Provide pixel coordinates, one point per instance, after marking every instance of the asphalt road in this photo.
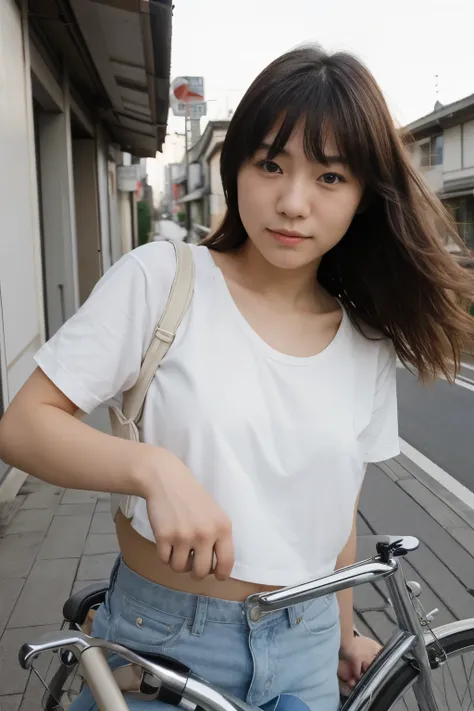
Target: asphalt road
(438, 420)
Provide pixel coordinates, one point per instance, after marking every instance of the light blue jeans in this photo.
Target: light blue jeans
(285, 659)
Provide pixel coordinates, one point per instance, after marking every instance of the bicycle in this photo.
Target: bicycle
(410, 660)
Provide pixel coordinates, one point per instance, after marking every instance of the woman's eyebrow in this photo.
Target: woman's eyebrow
(330, 160)
(268, 147)
(333, 159)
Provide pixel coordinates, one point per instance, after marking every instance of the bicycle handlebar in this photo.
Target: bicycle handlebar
(104, 686)
(367, 571)
(79, 642)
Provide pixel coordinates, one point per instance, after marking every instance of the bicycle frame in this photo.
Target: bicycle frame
(409, 638)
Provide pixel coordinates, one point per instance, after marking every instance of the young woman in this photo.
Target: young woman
(277, 391)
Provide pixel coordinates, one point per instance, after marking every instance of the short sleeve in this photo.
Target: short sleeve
(379, 440)
(97, 353)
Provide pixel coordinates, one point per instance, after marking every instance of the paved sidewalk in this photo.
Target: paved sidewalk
(54, 541)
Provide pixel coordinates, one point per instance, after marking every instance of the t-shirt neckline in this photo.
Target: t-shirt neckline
(268, 350)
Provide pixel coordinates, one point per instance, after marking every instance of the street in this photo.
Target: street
(438, 421)
(168, 229)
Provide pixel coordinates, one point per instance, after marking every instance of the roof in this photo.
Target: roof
(117, 53)
(457, 187)
(199, 148)
(443, 116)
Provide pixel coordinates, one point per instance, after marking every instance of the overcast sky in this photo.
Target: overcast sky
(404, 43)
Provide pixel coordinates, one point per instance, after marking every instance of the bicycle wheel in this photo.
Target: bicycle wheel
(60, 694)
(453, 682)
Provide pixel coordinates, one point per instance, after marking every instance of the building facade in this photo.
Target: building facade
(204, 193)
(84, 91)
(444, 153)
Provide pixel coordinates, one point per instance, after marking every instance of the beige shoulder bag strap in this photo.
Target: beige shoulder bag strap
(125, 421)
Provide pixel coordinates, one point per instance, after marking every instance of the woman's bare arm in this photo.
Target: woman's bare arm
(40, 435)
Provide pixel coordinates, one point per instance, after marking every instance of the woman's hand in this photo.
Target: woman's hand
(355, 657)
(192, 532)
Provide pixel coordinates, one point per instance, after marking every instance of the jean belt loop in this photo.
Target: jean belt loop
(295, 614)
(200, 615)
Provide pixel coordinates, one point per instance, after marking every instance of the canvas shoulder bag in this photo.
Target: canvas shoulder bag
(125, 422)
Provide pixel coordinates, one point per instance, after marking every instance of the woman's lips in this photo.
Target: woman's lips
(289, 240)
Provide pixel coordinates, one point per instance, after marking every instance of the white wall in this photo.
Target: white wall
(194, 177)
(126, 226)
(452, 157)
(468, 144)
(216, 198)
(458, 157)
(21, 298)
(459, 152)
(20, 267)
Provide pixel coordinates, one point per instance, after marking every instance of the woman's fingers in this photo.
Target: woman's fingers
(202, 561)
(189, 526)
(164, 551)
(180, 558)
(224, 550)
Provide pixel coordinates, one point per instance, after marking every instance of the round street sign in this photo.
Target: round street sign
(189, 90)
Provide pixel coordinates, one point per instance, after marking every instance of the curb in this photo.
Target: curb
(437, 481)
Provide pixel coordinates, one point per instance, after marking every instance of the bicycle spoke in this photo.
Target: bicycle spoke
(455, 687)
(469, 678)
(59, 707)
(453, 683)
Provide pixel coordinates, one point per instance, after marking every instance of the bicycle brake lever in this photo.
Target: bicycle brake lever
(387, 551)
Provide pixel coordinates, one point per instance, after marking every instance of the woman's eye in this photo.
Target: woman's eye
(332, 178)
(269, 166)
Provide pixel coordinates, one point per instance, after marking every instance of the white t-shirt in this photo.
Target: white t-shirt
(279, 441)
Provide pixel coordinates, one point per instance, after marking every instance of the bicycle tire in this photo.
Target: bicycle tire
(402, 679)
(56, 687)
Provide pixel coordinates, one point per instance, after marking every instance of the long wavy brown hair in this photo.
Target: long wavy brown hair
(391, 270)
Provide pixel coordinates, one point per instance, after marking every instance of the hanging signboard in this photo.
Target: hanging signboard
(187, 97)
(128, 177)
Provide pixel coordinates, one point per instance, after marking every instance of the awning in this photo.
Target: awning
(194, 196)
(118, 56)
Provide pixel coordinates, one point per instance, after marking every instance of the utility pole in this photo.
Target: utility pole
(186, 159)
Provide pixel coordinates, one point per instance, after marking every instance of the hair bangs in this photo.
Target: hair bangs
(328, 115)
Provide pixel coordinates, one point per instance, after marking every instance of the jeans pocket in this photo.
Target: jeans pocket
(321, 615)
(102, 622)
(145, 628)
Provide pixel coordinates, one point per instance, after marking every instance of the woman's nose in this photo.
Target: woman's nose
(294, 201)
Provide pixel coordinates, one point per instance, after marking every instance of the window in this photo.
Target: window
(431, 152)
(462, 211)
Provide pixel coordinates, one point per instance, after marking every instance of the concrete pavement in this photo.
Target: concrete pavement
(54, 541)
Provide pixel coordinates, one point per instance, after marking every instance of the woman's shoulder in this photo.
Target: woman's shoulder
(153, 256)
(158, 259)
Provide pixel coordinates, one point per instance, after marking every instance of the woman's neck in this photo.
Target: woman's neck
(288, 288)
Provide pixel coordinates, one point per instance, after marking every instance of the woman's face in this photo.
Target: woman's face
(294, 210)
